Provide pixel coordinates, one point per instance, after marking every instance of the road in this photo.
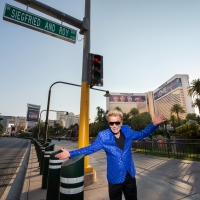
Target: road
(12, 151)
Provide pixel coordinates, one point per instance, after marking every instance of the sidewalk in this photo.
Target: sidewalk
(157, 178)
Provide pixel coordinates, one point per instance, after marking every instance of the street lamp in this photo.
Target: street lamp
(48, 103)
(40, 118)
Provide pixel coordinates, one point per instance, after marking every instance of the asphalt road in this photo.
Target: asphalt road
(12, 151)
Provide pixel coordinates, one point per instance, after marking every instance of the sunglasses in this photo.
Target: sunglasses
(112, 123)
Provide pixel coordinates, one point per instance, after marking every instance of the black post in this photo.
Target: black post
(53, 180)
(47, 116)
(48, 151)
(42, 150)
(72, 179)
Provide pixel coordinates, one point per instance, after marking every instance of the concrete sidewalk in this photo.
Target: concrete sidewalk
(157, 178)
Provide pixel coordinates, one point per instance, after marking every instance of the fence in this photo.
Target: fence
(73, 139)
(169, 148)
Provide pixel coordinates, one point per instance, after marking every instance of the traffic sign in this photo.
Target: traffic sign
(37, 23)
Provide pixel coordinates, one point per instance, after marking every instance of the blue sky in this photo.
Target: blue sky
(143, 43)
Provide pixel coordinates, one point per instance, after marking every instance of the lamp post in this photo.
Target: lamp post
(40, 118)
(48, 103)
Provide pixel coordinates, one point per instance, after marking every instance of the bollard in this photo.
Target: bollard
(48, 150)
(53, 180)
(38, 144)
(42, 150)
(41, 141)
(72, 179)
(39, 154)
(49, 140)
(37, 148)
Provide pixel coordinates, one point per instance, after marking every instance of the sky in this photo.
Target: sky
(143, 43)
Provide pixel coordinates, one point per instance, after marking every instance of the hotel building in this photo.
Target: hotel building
(160, 100)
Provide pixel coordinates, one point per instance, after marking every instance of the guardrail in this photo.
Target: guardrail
(169, 148)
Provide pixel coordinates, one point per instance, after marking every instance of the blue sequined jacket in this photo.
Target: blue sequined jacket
(118, 161)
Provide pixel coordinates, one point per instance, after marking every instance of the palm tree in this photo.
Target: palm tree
(194, 88)
(98, 109)
(118, 108)
(104, 116)
(140, 121)
(165, 123)
(137, 122)
(100, 114)
(191, 116)
(57, 127)
(133, 112)
(126, 118)
(178, 109)
(173, 121)
(196, 103)
(98, 117)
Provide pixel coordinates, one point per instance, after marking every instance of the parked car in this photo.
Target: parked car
(6, 134)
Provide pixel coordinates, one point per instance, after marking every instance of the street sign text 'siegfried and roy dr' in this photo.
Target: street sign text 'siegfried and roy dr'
(35, 22)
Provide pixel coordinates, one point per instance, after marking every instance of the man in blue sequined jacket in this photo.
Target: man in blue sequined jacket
(117, 142)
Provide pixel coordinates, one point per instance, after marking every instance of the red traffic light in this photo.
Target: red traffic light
(95, 70)
(97, 58)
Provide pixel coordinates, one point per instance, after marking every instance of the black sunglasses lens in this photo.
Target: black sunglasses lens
(112, 123)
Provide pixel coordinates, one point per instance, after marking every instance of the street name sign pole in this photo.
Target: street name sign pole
(84, 27)
(37, 23)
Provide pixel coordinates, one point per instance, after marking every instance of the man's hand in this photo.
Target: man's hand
(158, 119)
(63, 155)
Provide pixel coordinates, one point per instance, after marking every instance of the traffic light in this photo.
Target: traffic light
(95, 70)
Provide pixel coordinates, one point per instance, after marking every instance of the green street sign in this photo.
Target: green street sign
(37, 23)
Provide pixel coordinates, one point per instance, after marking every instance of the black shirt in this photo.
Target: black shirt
(120, 141)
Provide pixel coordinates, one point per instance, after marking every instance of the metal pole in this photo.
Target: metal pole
(39, 125)
(85, 91)
(47, 116)
(48, 104)
(82, 106)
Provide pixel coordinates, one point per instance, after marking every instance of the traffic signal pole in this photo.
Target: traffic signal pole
(83, 138)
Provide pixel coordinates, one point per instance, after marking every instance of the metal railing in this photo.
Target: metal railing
(170, 148)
